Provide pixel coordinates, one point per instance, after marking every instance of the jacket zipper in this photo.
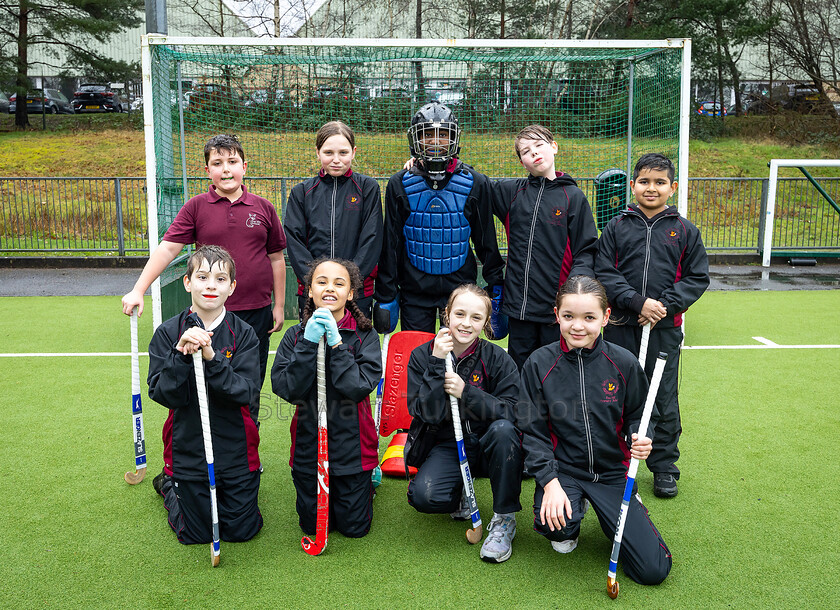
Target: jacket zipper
(530, 245)
(649, 227)
(586, 417)
(332, 220)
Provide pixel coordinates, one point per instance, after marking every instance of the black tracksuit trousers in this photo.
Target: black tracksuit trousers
(437, 487)
(643, 556)
(666, 422)
(188, 504)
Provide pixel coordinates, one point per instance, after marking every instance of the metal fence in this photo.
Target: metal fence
(108, 215)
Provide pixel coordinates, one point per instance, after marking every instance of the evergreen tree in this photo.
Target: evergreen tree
(62, 27)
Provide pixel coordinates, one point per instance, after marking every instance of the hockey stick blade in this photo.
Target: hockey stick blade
(133, 478)
(311, 546)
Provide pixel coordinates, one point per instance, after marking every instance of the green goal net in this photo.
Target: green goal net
(606, 102)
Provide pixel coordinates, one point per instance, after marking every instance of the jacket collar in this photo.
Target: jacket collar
(325, 176)
(571, 353)
(215, 197)
(560, 179)
(634, 210)
(348, 322)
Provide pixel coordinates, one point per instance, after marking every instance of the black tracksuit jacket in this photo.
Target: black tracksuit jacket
(661, 258)
(577, 409)
(353, 371)
(551, 236)
(336, 217)
(231, 377)
(490, 392)
(398, 275)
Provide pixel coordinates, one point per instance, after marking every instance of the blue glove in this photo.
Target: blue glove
(327, 321)
(386, 316)
(498, 320)
(314, 330)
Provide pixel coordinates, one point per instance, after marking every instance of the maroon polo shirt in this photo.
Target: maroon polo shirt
(248, 228)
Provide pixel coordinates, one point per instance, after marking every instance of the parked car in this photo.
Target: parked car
(711, 109)
(755, 104)
(4, 102)
(137, 103)
(806, 99)
(449, 97)
(51, 101)
(211, 97)
(92, 97)
(264, 97)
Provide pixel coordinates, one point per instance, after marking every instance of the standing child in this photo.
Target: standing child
(485, 383)
(353, 366)
(338, 214)
(580, 404)
(433, 212)
(230, 350)
(653, 265)
(551, 237)
(247, 226)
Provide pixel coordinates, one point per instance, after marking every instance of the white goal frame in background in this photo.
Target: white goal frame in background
(770, 214)
(156, 39)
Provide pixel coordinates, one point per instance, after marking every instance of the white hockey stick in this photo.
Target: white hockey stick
(612, 583)
(133, 478)
(474, 534)
(204, 411)
(643, 344)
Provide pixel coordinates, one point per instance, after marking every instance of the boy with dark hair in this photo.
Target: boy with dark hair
(230, 350)
(653, 265)
(247, 226)
(551, 237)
(438, 218)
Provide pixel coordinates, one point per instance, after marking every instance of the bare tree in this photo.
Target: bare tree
(807, 39)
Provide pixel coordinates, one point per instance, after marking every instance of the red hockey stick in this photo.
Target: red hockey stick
(322, 525)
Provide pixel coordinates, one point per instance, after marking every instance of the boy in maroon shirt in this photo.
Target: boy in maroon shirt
(247, 226)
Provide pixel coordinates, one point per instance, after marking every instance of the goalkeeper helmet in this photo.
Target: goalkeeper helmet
(433, 138)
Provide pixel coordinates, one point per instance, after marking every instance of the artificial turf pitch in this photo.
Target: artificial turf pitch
(752, 525)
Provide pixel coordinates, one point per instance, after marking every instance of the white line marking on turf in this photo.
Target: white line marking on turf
(766, 341)
(774, 346)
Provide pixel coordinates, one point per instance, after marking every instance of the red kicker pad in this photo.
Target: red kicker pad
(394, 408)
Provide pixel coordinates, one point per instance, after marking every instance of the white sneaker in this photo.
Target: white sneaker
(566, 546)
(500, 533)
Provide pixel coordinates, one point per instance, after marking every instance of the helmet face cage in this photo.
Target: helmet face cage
(434, 136)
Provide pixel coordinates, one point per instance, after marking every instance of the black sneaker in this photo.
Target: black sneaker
(159, 481)
(664, 485)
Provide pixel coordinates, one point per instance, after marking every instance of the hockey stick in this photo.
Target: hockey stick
(376, 476)
(322, 525)
(133, 478)
(612, 583)
(643, 344)
(474, 534)
(204, 411)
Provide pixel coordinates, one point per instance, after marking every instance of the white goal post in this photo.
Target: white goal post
(770, 214)
(183, 46)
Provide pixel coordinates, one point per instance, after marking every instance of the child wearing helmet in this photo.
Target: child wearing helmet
(438, 219)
